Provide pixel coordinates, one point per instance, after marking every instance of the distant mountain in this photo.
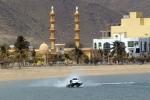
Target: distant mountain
(30, 18)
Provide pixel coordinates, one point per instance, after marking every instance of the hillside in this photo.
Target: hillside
(30, 18)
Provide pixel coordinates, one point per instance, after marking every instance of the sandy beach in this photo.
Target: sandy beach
(63, 71)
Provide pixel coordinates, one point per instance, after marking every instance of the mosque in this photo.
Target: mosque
(56, 49)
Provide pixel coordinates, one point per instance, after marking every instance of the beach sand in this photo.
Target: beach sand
(28, 73)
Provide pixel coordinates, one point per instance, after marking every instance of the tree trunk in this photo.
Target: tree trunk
(20, 61)
(77, 60)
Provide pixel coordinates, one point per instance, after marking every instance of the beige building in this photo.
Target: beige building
(133, 25)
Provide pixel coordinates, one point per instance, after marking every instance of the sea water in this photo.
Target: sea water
(113, 87)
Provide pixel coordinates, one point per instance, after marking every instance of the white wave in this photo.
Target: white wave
(117, 83)
(57, 82)
(63, 83)
(42, 83)
(53, 82)
(90, 83)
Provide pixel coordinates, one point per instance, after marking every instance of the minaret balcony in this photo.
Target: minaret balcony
(52, 21)
(77, 30)
(52, 38)
(52, 14)
(76, 39)
(76, 14)
(77, 22)
(52, 30)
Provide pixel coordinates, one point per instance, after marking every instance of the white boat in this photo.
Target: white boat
(74, 83)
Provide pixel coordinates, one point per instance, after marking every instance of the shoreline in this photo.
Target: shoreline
(31, 73)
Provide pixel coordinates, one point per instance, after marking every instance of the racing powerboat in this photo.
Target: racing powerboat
(74, 83)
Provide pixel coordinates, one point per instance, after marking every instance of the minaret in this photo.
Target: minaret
(52, 30)
(77, 28)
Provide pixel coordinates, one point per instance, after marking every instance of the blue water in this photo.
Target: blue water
(116, 87)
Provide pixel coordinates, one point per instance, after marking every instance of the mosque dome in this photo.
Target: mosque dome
(44, 48)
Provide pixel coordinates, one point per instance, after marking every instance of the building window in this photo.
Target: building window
(131, 51)
(116, 36)
(141, 46)
(145, 46)
(99, 44)
(137, 50)
(109, 34)
(149, 44)
(106, 47)
(136, 43)
(95, 46)
(130, 43)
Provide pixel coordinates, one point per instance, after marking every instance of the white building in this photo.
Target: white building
(133, 46)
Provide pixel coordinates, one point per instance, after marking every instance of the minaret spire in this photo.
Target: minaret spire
(52, 30)
(77, 9)
(77, 27)
(52, 9)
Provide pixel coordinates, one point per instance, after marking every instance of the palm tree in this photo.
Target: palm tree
(78, 54)
(118, 50)
(33, 54)
(3, 51)
(75, 54)
(4, 54)
(21, 46)
(97, 56)
(67, 57)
